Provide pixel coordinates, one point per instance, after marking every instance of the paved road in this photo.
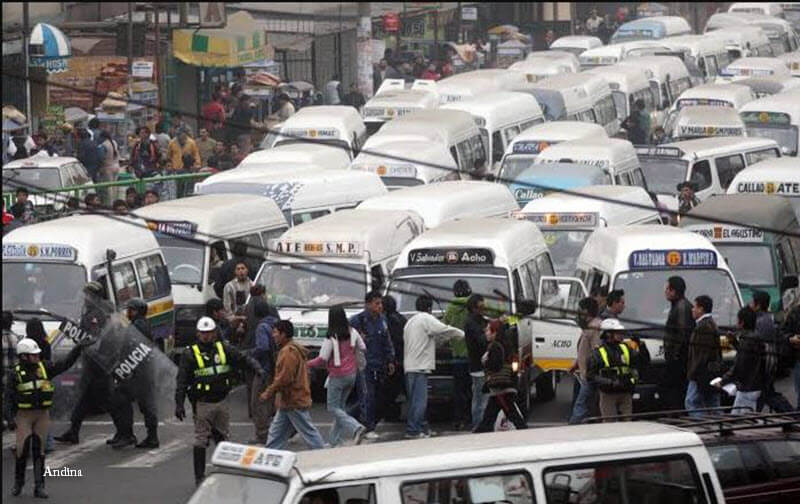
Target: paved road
(165, 475)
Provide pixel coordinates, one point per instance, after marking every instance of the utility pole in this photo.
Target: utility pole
(460, 24)
(364, 55)
(183, 11)
(130, 49)
(26, 34)
(158, 54)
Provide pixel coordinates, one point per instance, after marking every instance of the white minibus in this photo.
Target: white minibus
(582, 97)
(651, 28)
(576, 44)
(776, 117)
(338, 125)
(393, 100)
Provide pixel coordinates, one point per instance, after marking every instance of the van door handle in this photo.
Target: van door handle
(539, 340)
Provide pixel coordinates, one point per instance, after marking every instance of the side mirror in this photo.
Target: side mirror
(526, 307)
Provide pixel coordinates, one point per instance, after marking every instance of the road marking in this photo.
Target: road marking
(61, 458)
(156, 456)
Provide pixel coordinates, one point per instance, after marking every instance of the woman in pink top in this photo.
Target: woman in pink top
(339, 354)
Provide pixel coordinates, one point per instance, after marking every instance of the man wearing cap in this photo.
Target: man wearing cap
(30, 396)
(206, 372)
(612, 368)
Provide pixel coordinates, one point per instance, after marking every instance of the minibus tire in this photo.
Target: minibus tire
(545, 390)
(524, 394)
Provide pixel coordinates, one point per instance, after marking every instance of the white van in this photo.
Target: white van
(707, 53)
(628, 84)
(405, 163)
(743, 68)
(338, 125)
(639, 260)
(333, 260)
(711, 163)
(615, 53)
(46, 265)
(475, 83)
(454, 129)
(743, 41)
(668, 75)
(565, 58)
(770, 85)
(539, 67)
(582, 97)
(576, 44)
(567, 220)
(446, 201)
(641, 461)
(766, 8)
(295, 156)
(615, 156)
(779, 31)
(500, 117)
(714, 95)
(651, 28)
(776, 117)
(778, 176)
(501, 259)
(704, 121)
(196, 235)
(393, 100)
(303, 195)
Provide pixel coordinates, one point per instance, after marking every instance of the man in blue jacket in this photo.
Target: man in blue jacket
(265, 352)
(372, 325)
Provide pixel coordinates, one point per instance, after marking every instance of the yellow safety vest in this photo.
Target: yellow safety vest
(623, 371)
(33, 392)
(212, 375)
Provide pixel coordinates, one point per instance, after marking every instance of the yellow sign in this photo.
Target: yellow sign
(242, 41)
(674, 258)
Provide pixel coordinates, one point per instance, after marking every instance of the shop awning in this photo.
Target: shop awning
(49, 48)
(239, 43)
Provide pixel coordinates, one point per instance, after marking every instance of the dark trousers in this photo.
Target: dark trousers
(141, 391)
(376, 397)
(92, 387)
(672, 389)
(462, 392)
(395, 385)
(507, 403)
(774, 399)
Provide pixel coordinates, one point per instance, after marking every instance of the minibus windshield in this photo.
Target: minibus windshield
(663, 175)
(514, 165)
(491, 283)
(751, 264)
(47, 286)
(565, 247)
(645, 304)
(314, 284)
(221, 488)
(185, 259)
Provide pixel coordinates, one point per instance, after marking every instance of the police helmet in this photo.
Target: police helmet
(138, 306)
(93, 287)
(28, 346)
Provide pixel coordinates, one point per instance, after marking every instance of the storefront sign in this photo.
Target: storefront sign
(469, 13)
(450, 257)
(672, 259)
(142, 69)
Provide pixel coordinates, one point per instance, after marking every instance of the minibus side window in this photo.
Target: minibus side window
(271, 234)
(514, 487)
(701, 174)
(638, 178)
(527, 282)
(125, 282)
(756, 156)
(606, 111)
(300, 218)
(377, 277)
(151, 276)
(671, 478)
(497, 147)
(218, 255)
(354, 494)
(510, 133)
(728, 167)
(255, 249)
(712, 69)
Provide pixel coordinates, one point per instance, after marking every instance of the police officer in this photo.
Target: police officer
(207, 370)
(31, 394)
(612, 368)
(95, 382)
(138, 383)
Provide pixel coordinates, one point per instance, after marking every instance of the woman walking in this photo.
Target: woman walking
(500, 381)
(109, 167)
(339, 354)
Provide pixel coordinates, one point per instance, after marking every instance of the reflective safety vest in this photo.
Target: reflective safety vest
(212, 376)
(624, 373)
(34, 390)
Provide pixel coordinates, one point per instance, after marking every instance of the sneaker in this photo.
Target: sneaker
(358, 437)
(419, 435)
(123, 442)
(371, 435)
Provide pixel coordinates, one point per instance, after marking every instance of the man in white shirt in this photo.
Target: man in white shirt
(420, 335)
(236, 291)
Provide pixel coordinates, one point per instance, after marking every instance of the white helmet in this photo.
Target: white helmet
(28, 346)
(611, 324)
(206, 324)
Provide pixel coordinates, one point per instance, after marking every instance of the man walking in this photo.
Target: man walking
(372, 325)
(206, 373)
(613, 369)
(420, 335)
(679, 327)
(704, 358)
(747, 370)
(291, 389)
(476, 347)
(265, 352)
(456, 316)
(588, 342)
(768, 333)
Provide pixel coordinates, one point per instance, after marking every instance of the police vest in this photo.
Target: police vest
(212, 376)
(34, 390)
(624, 376)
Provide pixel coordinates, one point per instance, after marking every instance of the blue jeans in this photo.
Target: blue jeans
(698, 397)
(583, 403)
(300, 419)
(745, 400)
(479, 399)
(359, 409)
(339, 387)
(417, 390)
(797, 384)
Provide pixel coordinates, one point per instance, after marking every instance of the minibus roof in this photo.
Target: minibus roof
(558, 131)
(500, 108)
(406, 152)
(579, 41)
(709, 146)
(702, 115)
(443, 123)
(776, 170)
(90, 235)
(371, 231)
(735, 94)
(629, 77)
(609, 201)
(614, 151)
(777, 65)
(758, 210)
(218, 214)
(512, 241)
(291, 155)
(342, 117)
(787, 102)
(444, 201)
(659, 66)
